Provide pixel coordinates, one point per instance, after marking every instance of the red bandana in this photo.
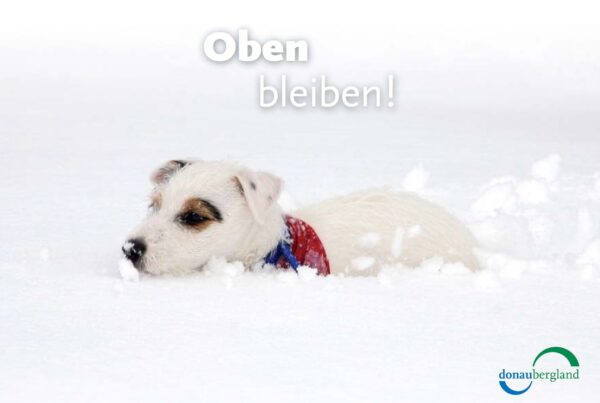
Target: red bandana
(305, 246)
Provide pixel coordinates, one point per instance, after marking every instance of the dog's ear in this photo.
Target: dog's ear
(261, 190)
(167, 170)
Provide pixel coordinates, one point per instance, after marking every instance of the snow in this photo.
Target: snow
(594, 192)
(532, 192)
(416, 179)
(397, 242)
(591, 255)
(526, 219)
(369, 240)
(414, 230)
(127, 246)
(511, 148)
(362, 263)
(547, 168)
(127, 271)
(45, 254)
(306, 273)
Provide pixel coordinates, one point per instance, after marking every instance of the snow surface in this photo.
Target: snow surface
(510, 147)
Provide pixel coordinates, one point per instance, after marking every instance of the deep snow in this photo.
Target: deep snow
(512, 152)
(73, 330)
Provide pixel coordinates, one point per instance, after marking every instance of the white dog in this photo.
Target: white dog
(203, 209)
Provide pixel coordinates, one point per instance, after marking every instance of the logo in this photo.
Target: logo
(571, 373)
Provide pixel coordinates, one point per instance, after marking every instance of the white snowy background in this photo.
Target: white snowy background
(497, 118)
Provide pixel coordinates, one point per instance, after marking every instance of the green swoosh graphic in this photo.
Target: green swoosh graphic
(562, 351)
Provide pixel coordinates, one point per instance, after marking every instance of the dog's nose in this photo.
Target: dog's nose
(134, 249)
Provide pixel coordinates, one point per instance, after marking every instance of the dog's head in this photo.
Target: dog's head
(200, 210)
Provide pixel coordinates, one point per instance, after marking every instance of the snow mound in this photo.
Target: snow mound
(547, 169)
(362, 263)
(369, 240)
(128, 272)
(416, 179)
(541, 222)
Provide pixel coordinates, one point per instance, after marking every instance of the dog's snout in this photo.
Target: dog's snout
(134, 249)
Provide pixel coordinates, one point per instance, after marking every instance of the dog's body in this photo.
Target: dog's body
(364, 230)
(217, 209)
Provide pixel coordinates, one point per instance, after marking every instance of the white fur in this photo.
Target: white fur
(409, 228)
(252, 224)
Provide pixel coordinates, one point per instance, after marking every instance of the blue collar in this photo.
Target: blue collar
(282, 249)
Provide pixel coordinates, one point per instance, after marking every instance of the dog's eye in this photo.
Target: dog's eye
(191, 218)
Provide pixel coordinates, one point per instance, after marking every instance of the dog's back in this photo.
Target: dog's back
(365, 229)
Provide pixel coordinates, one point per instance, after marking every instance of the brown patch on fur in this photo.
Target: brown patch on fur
(156, 200)
(202, 208)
